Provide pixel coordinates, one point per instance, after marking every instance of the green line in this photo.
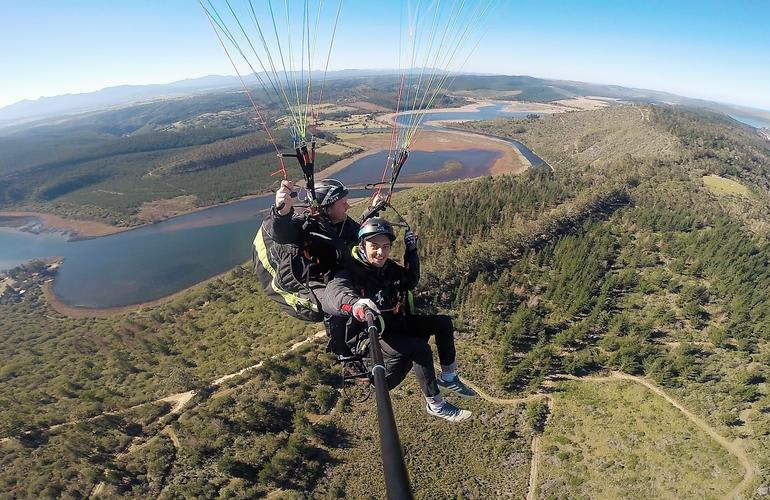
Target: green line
(272, 63)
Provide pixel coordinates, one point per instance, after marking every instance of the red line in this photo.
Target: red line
(392, 138)
(251, 99)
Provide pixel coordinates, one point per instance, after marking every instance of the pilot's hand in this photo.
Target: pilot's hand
(410, 240)
(284, 197)
(378, 198)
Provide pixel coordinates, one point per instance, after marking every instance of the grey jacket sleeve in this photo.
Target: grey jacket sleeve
(339, 296)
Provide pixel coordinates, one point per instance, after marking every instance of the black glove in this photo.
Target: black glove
(410, 240)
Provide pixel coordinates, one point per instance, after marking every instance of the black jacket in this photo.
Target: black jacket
(388, 286)
(324, 243)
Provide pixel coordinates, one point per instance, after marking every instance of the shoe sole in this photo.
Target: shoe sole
(468, 415)
(452, 420)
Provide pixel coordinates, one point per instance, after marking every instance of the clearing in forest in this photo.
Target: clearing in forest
(721, 186)
(619, 440)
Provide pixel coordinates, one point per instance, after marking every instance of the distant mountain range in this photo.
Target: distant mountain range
(46, 107)
(532, 89)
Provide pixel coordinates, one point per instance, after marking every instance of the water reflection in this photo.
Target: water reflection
(437, 166)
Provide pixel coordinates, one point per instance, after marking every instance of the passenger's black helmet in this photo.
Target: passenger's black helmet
(327, 191)
(375, 226)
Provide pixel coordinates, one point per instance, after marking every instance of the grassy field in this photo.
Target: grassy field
(619, 440)
(338, 149)
(721, 186)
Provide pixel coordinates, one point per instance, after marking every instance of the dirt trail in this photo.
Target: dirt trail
(174, 438)
(535, 445)
(180, 400)
(97, 491)
(534, 466)
(500, 401)
(750, 470)
(734, 449)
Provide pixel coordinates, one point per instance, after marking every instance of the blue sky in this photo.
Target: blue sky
(707, 49)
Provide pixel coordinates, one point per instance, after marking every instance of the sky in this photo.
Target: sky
(714, 50)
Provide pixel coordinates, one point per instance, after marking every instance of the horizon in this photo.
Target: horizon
(395, 72)
(691, 49)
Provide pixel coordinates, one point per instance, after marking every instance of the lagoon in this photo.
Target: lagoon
(146, 263)
(154, 261)
(435, 166)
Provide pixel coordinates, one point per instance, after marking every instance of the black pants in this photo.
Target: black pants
(405, 345)
(335, 330)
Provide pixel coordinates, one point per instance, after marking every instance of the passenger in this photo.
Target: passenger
(372, 280)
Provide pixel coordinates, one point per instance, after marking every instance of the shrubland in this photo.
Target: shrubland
(617, 258)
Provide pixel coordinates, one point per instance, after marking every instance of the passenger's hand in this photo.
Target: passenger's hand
(410, 240)
(360, 307)
(284, 197)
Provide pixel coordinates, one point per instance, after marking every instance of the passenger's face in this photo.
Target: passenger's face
(377, 250)
(338, 211)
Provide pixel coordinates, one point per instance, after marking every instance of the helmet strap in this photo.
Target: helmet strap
(362, 251)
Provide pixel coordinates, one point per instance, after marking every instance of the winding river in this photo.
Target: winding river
(157, 260)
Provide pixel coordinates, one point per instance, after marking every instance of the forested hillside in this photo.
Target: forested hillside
(208, 149)
(619, 259)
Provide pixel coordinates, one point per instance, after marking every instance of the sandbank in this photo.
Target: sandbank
(533, 107)
(510, 161)
(77, 227)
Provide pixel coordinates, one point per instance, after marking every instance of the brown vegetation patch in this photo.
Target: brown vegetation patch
(335, 149)
(158, 210)
(79, 228)
(329, 107)
(487, 94)
(5, 283)
(368, 106)
(585, 103)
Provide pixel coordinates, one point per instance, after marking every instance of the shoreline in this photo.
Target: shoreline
(511, 160)
(106, 312)
(75, 228)
(79, 229)
(468, 108)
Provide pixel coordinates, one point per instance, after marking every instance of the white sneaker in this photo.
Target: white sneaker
(450, 412)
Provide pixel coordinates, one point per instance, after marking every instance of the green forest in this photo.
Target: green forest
(618, 259)
(105, 165)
